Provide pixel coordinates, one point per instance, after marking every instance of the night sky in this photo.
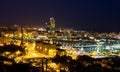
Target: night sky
(92, 15)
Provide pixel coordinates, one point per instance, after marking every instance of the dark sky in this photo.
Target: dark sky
(93, 15)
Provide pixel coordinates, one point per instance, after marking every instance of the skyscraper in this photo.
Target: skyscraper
(52, 23)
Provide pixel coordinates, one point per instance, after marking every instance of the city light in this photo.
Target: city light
(41, 47)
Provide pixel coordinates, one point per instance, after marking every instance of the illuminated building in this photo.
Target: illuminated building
(51, 25)
(46, 48)
(4, 40)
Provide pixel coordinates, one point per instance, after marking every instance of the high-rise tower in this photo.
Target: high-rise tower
(52, 23)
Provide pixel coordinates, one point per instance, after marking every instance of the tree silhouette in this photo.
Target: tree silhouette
(11, 51)
(11, 48)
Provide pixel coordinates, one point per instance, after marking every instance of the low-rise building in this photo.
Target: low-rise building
(46, 48)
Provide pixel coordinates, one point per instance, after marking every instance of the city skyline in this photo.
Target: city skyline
(100, 15)
(59, 36)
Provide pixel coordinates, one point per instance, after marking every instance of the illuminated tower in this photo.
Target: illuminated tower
(52, 23)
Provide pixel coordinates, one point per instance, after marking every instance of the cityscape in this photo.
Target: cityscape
(49, 49)
(60, 36)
